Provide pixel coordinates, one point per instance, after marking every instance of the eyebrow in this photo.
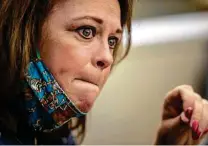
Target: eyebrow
(98, 20)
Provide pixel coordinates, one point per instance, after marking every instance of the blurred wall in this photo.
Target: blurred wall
(129, 107)
(154, 8)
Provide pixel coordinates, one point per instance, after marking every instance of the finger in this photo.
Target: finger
(178, 121)
(179, 131)
(184, 94)
(188, 87)
(174, 92)
(173, 124)
(186, 115)
(184, 118)
(203, 125)
(196, 117)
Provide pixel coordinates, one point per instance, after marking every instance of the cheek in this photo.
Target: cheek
(63, 58)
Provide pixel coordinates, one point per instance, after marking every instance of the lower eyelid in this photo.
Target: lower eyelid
(81, 39)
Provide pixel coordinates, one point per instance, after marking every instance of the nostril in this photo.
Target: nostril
(100, 64)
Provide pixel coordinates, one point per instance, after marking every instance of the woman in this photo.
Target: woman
(56, 56)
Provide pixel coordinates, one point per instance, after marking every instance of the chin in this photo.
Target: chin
(85, 102)
(85, 107)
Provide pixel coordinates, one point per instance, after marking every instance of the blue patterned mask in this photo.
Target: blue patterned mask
(47, 104)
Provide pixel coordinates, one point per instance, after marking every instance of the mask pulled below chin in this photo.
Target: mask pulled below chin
(46, 103)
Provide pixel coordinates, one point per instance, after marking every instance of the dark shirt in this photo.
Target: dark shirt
(15, 130)
(25, 137)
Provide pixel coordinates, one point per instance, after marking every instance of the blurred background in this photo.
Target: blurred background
(169, 48)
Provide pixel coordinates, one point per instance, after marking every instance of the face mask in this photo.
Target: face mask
(47, 104)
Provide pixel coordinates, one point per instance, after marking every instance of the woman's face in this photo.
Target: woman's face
(77, 45)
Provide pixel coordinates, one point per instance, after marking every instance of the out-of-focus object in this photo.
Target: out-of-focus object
(158, 8)
(165, 21)
(202, 4)
(171, 28)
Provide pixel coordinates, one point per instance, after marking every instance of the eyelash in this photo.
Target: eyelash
(90, 32)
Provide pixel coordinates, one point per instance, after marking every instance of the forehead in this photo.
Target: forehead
(102, 8)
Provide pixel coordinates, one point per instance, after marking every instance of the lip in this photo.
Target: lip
(88, 81)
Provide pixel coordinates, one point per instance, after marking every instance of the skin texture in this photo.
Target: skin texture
(77, 43)
(77, 46)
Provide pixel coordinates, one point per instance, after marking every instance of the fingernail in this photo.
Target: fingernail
(195, 132)
(195, 125)
(188, 112)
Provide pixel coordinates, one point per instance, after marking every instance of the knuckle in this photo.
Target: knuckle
(184, 87)
(197, 96)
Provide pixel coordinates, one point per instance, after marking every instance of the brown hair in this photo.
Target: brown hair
(20, 25)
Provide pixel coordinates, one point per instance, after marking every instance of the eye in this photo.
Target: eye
(112, 42)
(86, 32)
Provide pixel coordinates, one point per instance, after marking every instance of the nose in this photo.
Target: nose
(103, 56)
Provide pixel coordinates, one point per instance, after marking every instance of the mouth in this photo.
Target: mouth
(87, 81)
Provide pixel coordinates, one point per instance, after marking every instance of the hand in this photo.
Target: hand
(184, 117)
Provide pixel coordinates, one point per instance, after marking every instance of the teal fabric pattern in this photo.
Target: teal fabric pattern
(47, 104)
